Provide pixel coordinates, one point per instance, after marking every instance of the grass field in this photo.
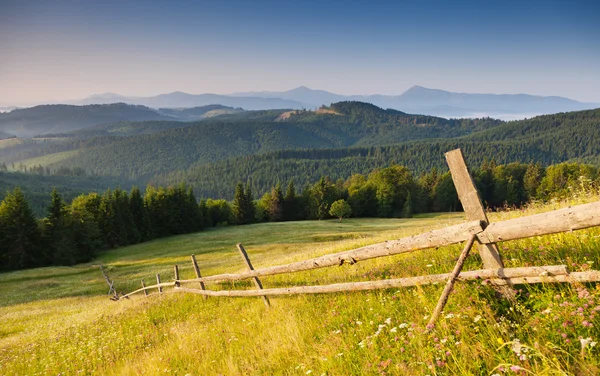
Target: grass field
(59, 320)
(48, 160)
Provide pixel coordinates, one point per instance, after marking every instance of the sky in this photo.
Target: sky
(59, 50)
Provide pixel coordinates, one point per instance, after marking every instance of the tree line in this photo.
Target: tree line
(75, 232)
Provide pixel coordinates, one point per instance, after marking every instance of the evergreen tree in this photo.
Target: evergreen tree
(275, 208)
(290, 209)
(136, 209)
(250, 209)
(407, 211)
(57, 234)
(20, 237)
(238, 206)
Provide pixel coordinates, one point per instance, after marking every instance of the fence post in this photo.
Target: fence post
(158, 281)
(144, 287)
(176, 271)
(471, 202)
(257, 282)
(450, 283)
(198, 275)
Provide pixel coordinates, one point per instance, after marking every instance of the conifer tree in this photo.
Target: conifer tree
(21, 240)
(290, 211)
(276, 204)
(239, 206)
(59, 248)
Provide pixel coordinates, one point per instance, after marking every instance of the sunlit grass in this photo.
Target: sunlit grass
(59, 320)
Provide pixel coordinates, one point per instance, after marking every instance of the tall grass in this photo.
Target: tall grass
(66, 325)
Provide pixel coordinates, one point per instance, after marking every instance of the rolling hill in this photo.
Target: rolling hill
(346, 124)
(28, 122)
(346, 138)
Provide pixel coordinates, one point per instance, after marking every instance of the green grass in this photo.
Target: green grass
(59, 320)
(49, 159)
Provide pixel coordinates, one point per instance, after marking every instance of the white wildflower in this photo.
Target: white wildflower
(388, 320)
(477, 318)
(403, 325)
(393, 330)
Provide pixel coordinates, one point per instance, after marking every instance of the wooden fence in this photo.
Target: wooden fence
(476, 230)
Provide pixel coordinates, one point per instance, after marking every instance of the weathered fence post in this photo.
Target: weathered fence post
(111, 284)
(257, 282)
(471, 202)
(158, 281)
(450, 284)
(144, 287)
(198, 275)
(176, 271)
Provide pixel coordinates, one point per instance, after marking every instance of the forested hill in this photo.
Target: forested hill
(60, 118)
(348, 137)
(545, 139)
(344, 124)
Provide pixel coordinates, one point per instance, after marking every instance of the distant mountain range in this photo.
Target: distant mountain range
(417, 100)
(61, 118)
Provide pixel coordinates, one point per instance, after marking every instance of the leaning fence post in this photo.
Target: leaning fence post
(471, 202)
(158, 282)
(144, 287)
(450, 284)
(197, 271)
(176, 271)
(257, 282)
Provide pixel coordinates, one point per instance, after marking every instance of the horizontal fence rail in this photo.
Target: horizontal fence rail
(478, 231)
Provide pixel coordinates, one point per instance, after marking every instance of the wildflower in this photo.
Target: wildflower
(477, 318)
(388, 320)
(308, 372)
(500, 341)
(546, 311)
(586, 342)
(450, 316)
(393, 330)
(340, 354)
(404, 325)
(516, 368)
(358, 322)
(429, 265)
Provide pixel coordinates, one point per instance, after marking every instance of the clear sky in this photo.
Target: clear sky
(72, 49)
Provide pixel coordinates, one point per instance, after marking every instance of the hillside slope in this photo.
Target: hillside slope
(28, 122)
(59, 320)
(347, 124)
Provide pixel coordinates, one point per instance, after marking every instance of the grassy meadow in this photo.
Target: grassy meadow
(59, 320)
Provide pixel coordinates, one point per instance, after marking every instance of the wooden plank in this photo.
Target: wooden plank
(471, 202)
(562, 220)
(432, 239)
(158, 284)
(256, 281)
(144, 288)
(451, 280)
(176, 272)
(197, 271)
(536, 274)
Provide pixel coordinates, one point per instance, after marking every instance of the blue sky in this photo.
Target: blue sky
(70, 49)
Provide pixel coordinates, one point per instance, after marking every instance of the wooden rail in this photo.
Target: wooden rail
(478, 230)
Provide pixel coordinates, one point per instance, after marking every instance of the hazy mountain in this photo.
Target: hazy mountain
(179, 99)
(32, 121)
(198, 113)
(7, 108)
(415, 100)
(442, 103)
